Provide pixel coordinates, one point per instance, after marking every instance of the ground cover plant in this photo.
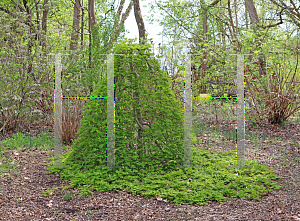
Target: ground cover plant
(149, 123)
(26, 141)
(213, 182)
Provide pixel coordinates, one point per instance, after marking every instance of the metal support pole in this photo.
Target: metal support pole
(188, 152)
(57, 114)
(240, 112)
(110, 112)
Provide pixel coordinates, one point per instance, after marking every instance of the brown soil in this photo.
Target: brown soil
(20, 191)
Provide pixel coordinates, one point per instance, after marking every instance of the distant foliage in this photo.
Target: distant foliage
(273, 97)
(25, 83)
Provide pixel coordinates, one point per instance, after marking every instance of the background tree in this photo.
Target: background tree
(139, 21)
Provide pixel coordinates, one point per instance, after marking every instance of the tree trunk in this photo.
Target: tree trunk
(32, 36)
(92, 23)
(255, 20)
(76, 22)
(205, 35)
(246, 16)
(119, 22)
(38, 22)
(142, 40)
(139, 21)
(92, 15)
(82, 23)
(252, 11)
(44, 23)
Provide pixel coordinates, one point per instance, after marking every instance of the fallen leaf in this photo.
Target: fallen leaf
(49, 204)
(295, 217)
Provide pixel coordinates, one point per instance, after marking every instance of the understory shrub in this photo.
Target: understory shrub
(273, 97)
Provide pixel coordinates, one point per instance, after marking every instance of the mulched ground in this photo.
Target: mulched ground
(20, 192)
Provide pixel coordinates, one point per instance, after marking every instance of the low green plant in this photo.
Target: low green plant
(88, 212)
(68, 196)
(54, 190)
(213, 181)
(48, 192)
(85, 191)
(295, 142)
(296, 161)
(6, 164)
(298, 118)
(264, 136)
(19, 140)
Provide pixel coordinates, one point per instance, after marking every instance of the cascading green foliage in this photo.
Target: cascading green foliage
(149, 124)
(148, 120)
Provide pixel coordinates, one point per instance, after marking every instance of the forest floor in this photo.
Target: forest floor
(21, 189)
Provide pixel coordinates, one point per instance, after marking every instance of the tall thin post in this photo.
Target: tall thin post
(240, 112)
(57, 114)
(110, 112)
(188, 152)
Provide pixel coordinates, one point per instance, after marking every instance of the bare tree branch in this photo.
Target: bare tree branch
(117, 25)
(214, 3)
(121, 6)
(7, 11)
(127, 12)
(19, 6)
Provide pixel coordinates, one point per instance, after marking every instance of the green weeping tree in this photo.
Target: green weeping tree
(148, 120)
(149, 141)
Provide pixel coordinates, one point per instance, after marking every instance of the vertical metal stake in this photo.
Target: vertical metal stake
(110, 112)
(188, 154)
(57, 114)
(240, 112)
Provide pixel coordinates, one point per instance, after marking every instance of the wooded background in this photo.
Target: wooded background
(31, 31)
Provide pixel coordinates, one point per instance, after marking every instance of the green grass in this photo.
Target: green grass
(6, 164)
(20, 140)
(295, 118)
